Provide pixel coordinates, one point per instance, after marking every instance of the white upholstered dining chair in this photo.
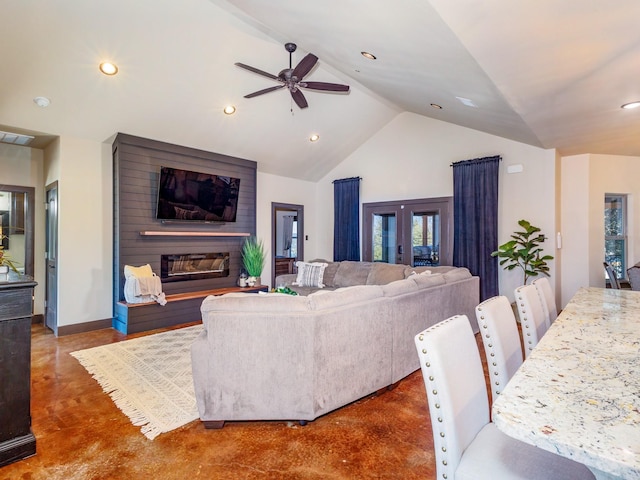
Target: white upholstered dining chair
(532, 316)
(547, 297)
(468, 446)
(500, 339)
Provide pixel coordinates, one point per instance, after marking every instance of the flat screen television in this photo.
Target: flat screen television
(199, 197)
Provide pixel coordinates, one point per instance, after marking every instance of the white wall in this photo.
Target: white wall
(410, 158)
(273, 188)
(85, 200)
(585, 181)
(23, 166)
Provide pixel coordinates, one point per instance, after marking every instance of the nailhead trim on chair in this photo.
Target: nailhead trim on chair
(524, 322)
(491, 350)
(434, 390)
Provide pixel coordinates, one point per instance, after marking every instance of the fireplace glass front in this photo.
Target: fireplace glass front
(194, 266)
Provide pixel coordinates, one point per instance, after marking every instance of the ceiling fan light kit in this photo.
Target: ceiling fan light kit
(292, 78)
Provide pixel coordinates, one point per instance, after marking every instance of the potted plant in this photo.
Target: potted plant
(5, 264)
(524, 251)
(253, 258)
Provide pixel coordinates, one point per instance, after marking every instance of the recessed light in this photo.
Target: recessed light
(435, 105)
(42, 101)
(108, 68)
(628, 106)
(314, 138)
(368, 55)
(229, 110)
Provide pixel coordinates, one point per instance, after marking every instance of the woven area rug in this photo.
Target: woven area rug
(148, 378)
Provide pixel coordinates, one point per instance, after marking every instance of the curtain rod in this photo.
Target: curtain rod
(477, 160)
(347, 179)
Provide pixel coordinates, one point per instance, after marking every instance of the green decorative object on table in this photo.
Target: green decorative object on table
(286, 290)
(253, 258)
(5, 261)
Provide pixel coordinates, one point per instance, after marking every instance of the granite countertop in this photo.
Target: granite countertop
(578, 394)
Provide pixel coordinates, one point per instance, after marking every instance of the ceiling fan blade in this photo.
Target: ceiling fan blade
(298, 97)
(330, 87)
(257, 70)
(305, 66)
(266, 90)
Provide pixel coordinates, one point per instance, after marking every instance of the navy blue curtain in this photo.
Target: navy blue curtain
(346, 219)
(475, 220)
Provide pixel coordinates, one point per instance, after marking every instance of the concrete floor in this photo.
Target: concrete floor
(81, 434)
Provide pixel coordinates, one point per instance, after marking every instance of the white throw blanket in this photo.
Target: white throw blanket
(143, 288)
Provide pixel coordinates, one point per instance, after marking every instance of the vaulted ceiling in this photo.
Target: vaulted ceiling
(548, 73)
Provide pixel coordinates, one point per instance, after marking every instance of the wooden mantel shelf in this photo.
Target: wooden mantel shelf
(162, 233)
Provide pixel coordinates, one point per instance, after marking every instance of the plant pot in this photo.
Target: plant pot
(4, 272)
(251, 281)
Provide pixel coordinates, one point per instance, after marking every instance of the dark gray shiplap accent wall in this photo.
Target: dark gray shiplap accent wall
(136, 164)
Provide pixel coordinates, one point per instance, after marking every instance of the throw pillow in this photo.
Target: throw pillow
(138, 272)
(310, 274)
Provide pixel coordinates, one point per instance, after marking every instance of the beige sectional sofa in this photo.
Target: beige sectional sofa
(283, 357)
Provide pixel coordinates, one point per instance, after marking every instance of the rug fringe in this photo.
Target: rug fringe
(137, 417)
(100, 372)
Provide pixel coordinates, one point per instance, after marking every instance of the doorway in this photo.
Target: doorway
(51, 255)
(287, 238)
(409, 232)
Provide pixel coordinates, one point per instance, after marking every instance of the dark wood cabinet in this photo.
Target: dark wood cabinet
(16, 307)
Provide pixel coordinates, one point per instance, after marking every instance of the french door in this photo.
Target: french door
(409, 232)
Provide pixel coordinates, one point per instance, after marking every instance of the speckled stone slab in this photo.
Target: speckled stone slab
(578, 394)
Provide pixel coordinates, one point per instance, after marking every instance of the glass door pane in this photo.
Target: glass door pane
(384, 237)
(425, 238)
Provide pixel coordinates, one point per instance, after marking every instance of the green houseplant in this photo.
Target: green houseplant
(524, 251)
(5, 262)
(253, 258)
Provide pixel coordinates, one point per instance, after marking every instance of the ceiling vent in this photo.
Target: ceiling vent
(15, 138)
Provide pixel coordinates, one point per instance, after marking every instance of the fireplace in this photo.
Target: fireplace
(194, 266)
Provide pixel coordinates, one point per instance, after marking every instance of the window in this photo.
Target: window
(411, 232)
(615, 233)
(294, 238)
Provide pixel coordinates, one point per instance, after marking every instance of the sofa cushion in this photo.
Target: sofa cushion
(329, 272)
(344, 296)
(352, 273)
(383, 273)
(428, 281)
(310, 274)
(408, 271)
(256, 302)
(456, 275)
(399, 287)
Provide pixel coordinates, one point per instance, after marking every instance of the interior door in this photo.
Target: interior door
(51, 227)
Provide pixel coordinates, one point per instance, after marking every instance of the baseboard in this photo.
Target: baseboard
(37, 318)
(64, 330)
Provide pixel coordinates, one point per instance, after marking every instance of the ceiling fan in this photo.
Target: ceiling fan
(292, 78)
